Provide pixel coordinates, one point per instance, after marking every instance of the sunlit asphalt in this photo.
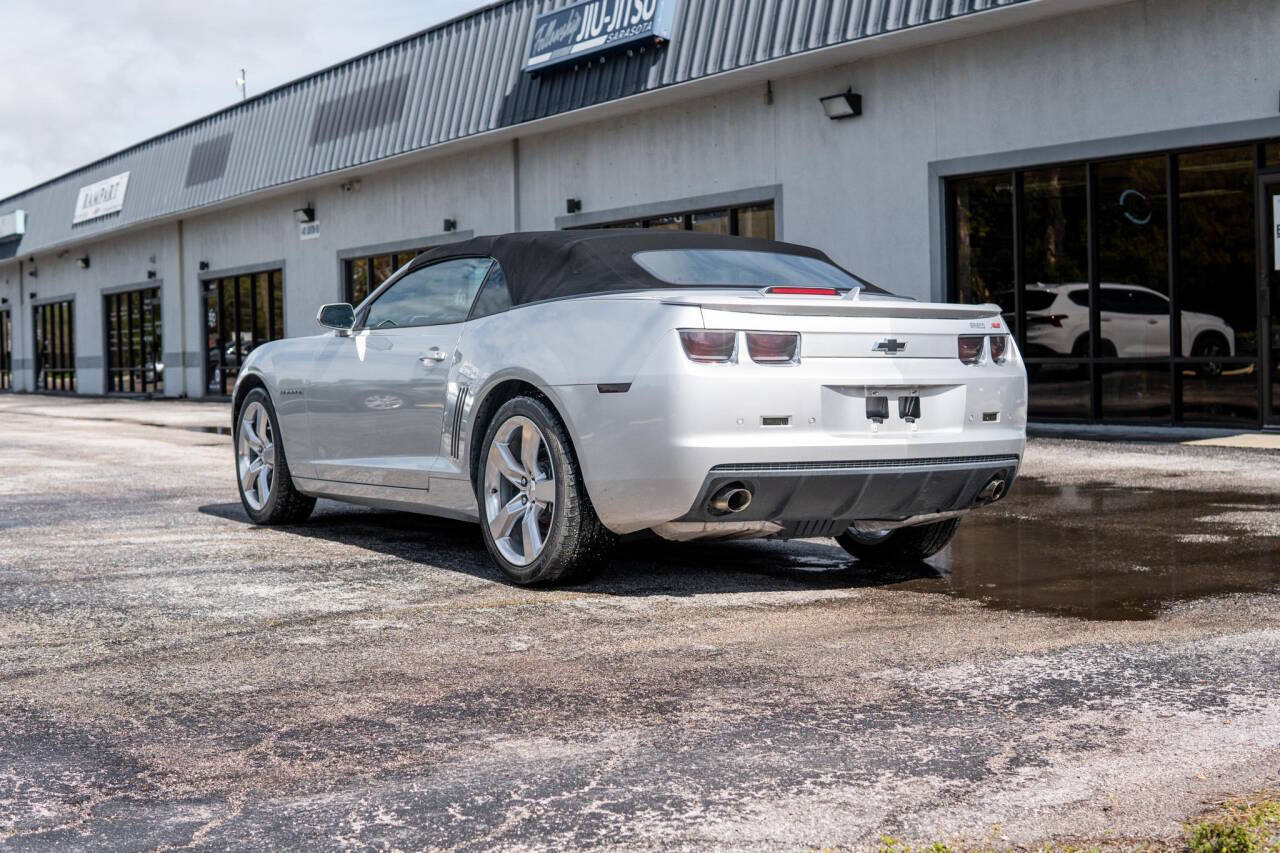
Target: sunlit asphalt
(1094, 658)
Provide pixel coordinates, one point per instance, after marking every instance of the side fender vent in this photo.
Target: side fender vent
(455, 433)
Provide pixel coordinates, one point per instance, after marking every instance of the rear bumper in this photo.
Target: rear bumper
(821, 499)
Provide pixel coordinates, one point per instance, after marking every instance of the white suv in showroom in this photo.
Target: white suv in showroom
(1135, 323)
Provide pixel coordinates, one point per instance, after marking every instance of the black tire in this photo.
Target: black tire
(284, 504)
(576, 543)
(1210, 345)
(904, 545)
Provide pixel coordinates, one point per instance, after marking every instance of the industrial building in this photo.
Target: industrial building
(1108, 172)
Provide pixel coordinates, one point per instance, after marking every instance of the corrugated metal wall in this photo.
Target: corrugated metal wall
(454, 81)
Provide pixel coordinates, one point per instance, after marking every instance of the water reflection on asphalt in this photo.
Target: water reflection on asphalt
(1102, 551)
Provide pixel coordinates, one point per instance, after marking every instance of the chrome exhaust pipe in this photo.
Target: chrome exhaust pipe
(994, 490)
(734, 497)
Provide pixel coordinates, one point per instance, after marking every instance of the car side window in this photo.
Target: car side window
(494, 296)
(430, 296)
(1149, 303)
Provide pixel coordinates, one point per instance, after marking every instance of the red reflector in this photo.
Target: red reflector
(773, 347)
(803, 291)
(995, 325)
(703, 345)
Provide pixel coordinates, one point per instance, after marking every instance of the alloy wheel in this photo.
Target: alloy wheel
(256, 455)
(519, 490)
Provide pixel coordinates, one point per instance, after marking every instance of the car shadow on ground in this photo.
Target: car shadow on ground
(640, 566)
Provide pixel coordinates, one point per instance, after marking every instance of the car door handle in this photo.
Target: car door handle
(434, 356)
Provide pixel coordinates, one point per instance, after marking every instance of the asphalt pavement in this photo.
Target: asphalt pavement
(1095, 659)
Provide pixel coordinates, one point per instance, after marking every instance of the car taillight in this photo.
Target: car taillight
(708, 346)
(970, 348)
(773, 347)
(999, 348)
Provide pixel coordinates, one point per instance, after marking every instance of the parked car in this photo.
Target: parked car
(568, 388)
(1135, 323)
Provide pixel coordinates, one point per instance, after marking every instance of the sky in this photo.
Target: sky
(85, 78)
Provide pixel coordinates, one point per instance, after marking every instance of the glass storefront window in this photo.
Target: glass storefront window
(982, 234)
(1059, 391)
(1217, 293)
(755, 220)
(6, 351)
(1175, 278)
(55, 349)
(361, 276)
(667, 223)
(1132, 222)
(1229, 396)
(134, 341)
(1139, 392)
(241, 313)
(1055, 259)
(711, 222)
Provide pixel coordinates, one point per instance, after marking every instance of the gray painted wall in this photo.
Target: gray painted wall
(865, 190)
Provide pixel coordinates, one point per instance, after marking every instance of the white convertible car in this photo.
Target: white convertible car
(568, 388)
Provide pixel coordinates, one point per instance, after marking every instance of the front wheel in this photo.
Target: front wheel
(903, 545)
(266, 487)
(537, 521)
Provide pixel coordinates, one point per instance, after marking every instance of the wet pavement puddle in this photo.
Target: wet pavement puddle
(1109, 552)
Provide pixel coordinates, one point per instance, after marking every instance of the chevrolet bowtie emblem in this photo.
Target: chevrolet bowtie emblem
(890, 346)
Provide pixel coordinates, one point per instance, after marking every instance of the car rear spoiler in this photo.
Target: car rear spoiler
(867, 306)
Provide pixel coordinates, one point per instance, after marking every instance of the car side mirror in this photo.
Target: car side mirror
(339, 315)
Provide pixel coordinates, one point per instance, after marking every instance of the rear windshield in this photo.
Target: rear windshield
(744, 268)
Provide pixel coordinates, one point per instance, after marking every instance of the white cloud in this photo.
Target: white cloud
(85, 79)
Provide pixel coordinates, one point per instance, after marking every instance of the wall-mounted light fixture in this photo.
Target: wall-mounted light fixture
(204, 265)
(4, 300)
(305, 215)
(450, 225)
(83, 262)
(847, 104)
(33, 272)
(151, 274)
(572, 205)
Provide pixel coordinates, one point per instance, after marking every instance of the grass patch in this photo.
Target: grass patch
(1249, 825)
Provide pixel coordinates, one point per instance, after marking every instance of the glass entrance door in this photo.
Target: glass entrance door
(1269, 216)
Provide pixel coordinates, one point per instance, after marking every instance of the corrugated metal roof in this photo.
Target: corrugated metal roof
(461, 78)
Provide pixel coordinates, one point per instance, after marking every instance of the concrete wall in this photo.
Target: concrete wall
(866, 190)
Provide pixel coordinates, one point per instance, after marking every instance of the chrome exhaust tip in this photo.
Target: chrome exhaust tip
(994, 490)
(734, 497)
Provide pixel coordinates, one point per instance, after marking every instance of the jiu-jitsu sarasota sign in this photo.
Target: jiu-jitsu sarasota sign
(573, 33)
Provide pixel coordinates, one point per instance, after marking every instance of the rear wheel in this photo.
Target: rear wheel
(262, 471)
(537, 521)
(902, 545)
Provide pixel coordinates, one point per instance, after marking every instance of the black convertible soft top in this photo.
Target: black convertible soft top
(554, 264)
